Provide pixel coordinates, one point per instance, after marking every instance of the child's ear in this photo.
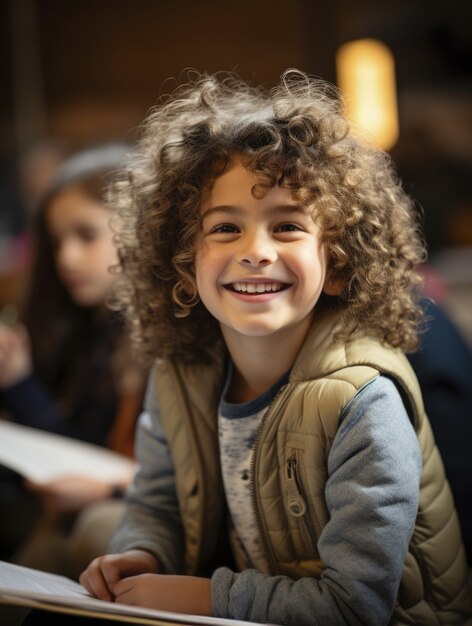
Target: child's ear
(333, 284)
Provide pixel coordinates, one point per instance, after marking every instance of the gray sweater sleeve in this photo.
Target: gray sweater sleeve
(152, 518)
(372, 495)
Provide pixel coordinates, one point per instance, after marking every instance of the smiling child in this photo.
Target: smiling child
(268, 261)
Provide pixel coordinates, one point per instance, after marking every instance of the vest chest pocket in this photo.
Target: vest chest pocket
(297, 505)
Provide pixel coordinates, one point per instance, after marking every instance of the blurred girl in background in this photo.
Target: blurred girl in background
(67, 368)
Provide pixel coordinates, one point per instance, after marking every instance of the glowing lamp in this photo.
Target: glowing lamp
(366, 76)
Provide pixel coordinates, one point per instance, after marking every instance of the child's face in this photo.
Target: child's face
(83, 246)
(260, 263)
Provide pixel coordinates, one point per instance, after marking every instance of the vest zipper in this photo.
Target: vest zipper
(271, 560)
(297, 503)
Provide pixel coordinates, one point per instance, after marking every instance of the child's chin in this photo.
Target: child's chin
(85, 299)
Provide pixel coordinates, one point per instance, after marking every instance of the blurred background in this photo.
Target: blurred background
(74, 72)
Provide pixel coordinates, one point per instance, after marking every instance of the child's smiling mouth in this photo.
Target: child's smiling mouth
(256, 288)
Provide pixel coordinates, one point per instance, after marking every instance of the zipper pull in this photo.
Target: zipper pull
(296, 504)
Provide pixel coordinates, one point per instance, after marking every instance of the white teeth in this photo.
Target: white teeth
(257, 287)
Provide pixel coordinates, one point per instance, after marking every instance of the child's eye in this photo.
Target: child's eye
(87, 234)
(225, 228)
(288, 227)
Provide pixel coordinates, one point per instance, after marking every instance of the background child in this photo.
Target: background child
(268, 261)
(67, 367)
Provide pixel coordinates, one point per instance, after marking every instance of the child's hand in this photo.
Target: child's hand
(104, 572)
(180, 594)
(15, 355)
(70, 494)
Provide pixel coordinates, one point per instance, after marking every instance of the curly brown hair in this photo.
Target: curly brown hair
(295, 136)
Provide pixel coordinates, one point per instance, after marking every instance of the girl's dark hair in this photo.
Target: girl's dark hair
(69, 343)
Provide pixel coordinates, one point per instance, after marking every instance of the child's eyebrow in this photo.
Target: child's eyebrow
(223, 209)
(284, 209)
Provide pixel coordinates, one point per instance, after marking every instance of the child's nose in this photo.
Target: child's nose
(257, 249)
(68, 255)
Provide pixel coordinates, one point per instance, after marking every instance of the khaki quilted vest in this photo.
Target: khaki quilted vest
(297, 433)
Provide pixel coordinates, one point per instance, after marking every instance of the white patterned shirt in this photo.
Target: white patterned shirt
(237, 429)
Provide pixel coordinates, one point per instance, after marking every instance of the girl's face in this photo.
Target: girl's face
(260, 263)
(84, 251)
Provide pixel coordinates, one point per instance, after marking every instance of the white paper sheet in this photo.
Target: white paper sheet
(42, 456)
(23, 582)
